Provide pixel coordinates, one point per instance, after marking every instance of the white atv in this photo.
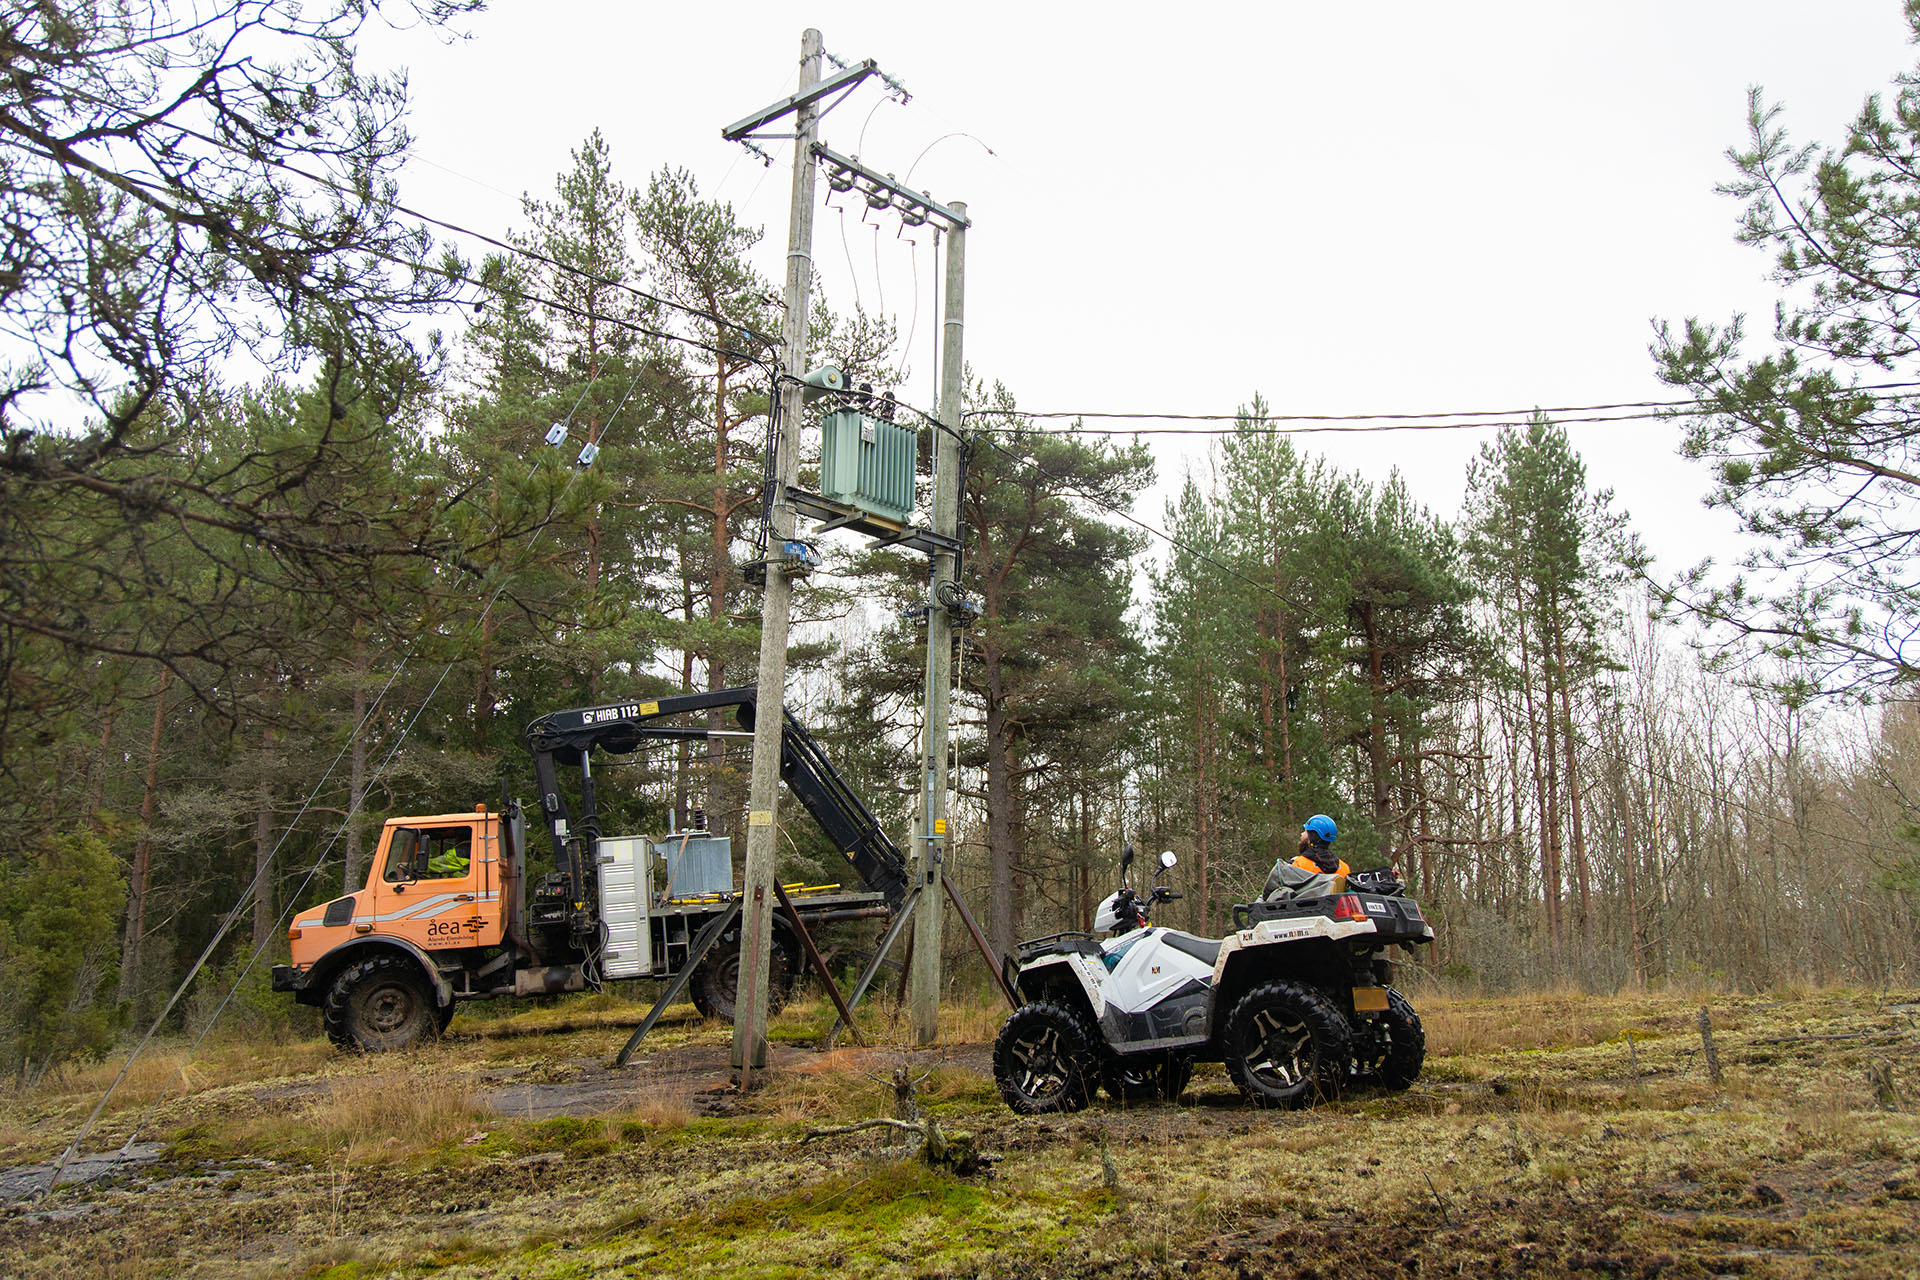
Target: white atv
(1296, 1002)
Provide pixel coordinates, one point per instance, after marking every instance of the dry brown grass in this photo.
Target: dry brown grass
(382, 1116)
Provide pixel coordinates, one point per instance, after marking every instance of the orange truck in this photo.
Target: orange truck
(453, 911)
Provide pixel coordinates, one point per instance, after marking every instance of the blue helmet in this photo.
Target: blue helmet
(1321, 828)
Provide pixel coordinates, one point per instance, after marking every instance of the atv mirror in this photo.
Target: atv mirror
(1167, 860)
(1126, 858)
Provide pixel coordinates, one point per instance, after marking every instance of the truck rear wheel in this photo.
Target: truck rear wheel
(716, 983)
(381, 1004)
(1287, 1046)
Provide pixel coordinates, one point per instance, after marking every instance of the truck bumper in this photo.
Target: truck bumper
(286, 978)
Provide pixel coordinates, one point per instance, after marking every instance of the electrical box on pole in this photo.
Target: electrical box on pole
(868, 463)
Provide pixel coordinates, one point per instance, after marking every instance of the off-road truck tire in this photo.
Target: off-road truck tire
(716, 982)
(381, 1004)
(1044, 1060)
(1287, 1045)
(1393, 1053)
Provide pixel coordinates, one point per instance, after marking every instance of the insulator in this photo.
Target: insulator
(556, 433)
(588, 452)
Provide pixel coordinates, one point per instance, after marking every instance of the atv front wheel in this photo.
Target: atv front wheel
(1143, 1077)
(1287, 1046)
(1392, 1050)
(1043, 1060)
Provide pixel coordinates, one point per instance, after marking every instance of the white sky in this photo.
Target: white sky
(1387, 207)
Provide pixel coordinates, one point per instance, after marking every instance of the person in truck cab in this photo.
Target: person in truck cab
(430, 854)
(448, 863)
(1316, 847)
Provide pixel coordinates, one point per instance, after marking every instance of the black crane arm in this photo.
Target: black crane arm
(567, 738)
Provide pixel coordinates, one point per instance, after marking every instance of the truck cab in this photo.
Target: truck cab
(434, 882)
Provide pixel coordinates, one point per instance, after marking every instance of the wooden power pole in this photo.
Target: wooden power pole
(942, 598)
(763, 790)
(916, 208)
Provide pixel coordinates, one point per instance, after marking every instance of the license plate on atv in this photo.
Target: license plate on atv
(1369, 999)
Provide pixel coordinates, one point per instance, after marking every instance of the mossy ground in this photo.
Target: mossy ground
(1551, 1135)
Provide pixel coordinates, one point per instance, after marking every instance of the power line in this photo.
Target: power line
(719, 321)
(1433, 421)
(1157, 532)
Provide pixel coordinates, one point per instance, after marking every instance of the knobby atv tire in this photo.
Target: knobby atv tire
(1043, 1060)
(1288, 1045)
(716, 982)
(1391, 1057)
(381, 1004)
(1145, 1077)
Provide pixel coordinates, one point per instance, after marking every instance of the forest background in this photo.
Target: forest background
(278, 560)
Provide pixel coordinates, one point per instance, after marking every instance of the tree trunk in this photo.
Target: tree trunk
(1581, 877)
(1377, 729)
(1002, 926)
(354, 870)
(719, 810)
(263, 845)
(1548, 801)
(140, 875)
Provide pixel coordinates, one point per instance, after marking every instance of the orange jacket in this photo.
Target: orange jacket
(1306, 863)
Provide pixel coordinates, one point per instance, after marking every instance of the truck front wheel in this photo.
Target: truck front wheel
(380, 1004)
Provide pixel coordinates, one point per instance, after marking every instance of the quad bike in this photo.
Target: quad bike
(1296, 1002)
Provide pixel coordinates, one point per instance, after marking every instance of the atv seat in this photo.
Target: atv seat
(1205, 950)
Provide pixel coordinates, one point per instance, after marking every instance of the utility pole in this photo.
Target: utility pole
(756, 920)
(784, 502)
(943, 596)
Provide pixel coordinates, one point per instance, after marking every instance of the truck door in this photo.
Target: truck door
(439, 885)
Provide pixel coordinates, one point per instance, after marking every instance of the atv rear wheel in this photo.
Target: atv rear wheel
(716, 983)
(1143, 1077)
(381, 1004)
(1287, 1046)
(1043, 1060)
(1392, 1050)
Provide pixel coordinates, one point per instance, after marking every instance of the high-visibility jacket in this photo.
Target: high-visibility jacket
(451, 863)
(1306, 863)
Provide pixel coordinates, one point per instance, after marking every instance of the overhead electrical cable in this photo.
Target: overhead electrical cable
(507, 246)
(1435, 420)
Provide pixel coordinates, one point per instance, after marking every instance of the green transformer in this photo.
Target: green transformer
(867, 463)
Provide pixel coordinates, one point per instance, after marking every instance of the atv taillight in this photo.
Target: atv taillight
(1349, 907)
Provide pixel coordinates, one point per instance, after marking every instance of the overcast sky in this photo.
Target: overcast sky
(1387, 207)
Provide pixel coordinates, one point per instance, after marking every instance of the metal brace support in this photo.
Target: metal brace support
(879, 957)
(703, 942)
